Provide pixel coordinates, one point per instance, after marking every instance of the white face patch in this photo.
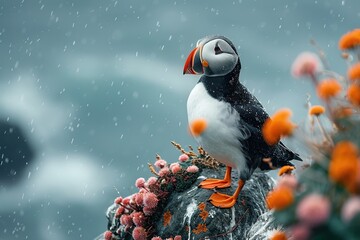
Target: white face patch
(220, 57)
(221, 137)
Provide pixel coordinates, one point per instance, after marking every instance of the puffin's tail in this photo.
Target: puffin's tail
(289, 154)
(280, 157)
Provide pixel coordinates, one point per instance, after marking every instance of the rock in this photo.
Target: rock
(16, 153)
(263, 228)
(193, 217)
(190, 215)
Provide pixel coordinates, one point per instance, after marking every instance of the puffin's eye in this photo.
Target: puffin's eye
(217, 49)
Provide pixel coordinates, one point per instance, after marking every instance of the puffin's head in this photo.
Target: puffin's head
(213, 56)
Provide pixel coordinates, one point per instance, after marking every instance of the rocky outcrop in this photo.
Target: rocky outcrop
(188, 213)
(193, 217)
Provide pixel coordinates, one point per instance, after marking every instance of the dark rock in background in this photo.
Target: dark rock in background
(190, 215)
(15, 153)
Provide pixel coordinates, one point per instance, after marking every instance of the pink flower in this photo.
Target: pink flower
(177, 237)
(126, 201)
(140, 183)
(183, 157)
(139, 233)
(313, 209)
(175, 167)
(306, 64)
(160, 163)
(150, 200)
(192, 169)
(139, 198)
(118, 200)
(350, 209)
(287, 180)
(156, 238)
(151, 181)
(119, 211)
(300, 232)
(148, 211)
(164, 171)
(108, 235)
(126, 220)
(138, 218)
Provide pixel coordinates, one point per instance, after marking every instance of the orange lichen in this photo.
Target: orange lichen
(167, 218)
(350, 40)
(204, 215)
(202, 206)
(328, 88)
(280, 198)
(354, 72)
(353, 94)
(286, 170)
(277, 126)
(316, 110)
(201, 228)
(198, 126)
(344, 165)
(279, 235)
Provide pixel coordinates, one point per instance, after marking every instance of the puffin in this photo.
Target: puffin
(233, 117)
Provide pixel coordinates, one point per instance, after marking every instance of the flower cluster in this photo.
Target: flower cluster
(350, 40)
(136, 214)
(324, 201)
(278, 126)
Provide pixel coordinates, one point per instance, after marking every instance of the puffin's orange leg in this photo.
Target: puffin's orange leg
(226, 201)
(217, 183)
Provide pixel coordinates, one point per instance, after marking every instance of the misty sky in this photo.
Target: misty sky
(97, 89)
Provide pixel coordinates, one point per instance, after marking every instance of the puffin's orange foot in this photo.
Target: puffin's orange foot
(221, 200)
(215, 183)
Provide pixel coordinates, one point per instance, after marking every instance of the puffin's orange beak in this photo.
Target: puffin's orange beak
(193, 63)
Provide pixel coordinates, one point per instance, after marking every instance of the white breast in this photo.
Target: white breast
(221, 137)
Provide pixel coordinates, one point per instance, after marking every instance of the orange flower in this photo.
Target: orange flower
(198, 126)
(342, 112)
(354, 72)
(316, 110)
(328, 88)
(286, 170)
(345, 172)
(280, 198)
(344, 165)
(344, 149)
(279, 235)
(353, 94)
(342, 171)
(277, 126)
(350, 40)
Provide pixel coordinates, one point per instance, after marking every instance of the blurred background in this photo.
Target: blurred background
(91, 90)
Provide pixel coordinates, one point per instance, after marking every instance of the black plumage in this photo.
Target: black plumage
(252, 117)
